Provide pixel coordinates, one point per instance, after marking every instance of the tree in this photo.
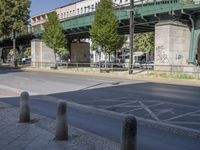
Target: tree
(187, 1)
(54, 36)
(14, 15)
(104, 28)
(144, 41)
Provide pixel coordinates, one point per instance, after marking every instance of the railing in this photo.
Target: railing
(175, 71)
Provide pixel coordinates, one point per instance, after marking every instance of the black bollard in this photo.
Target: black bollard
(61, 122)
(129, 134)
(24, 112)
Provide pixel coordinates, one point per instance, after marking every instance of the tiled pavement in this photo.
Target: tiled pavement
(39, 134)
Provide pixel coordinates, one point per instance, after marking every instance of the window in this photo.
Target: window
(92, 7)
(88, 8)
(81, 10)
(77, 11)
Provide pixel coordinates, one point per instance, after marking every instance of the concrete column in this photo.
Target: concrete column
(197, 27)
(129, 133)
(61, 122)
(80, 52)
(24, 113)
(42, 56)
(172, 42)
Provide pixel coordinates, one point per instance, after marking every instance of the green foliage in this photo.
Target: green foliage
(14, 15)
(177, 75)
(183, 76)
(27, 52)
(53, 34)
(144, 42)
(187, 1)
(94, 47)
(118, 45)
(104, 28)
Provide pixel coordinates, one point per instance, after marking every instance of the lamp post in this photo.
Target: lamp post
(131, 36)
(14, 48)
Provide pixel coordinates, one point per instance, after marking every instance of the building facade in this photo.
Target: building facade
(73, 9)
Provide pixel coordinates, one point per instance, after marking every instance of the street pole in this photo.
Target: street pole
(14, 48)
(131, 42)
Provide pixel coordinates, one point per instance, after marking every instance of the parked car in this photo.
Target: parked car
(147, 65)
(26, 60)
(102, 64)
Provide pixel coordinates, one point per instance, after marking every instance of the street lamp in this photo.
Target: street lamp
(131, 36)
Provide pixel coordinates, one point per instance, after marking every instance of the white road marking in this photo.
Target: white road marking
(164, 111)
(122, 105)
(182, 115)
(184, 122)
(149, 111)
(143, 108)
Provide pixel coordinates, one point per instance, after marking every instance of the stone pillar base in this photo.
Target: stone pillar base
(80, 52)
(172, 41)
(41, 55)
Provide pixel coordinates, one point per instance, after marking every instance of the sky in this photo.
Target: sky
(40, 6)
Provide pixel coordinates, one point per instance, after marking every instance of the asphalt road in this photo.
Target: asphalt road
(170, 104)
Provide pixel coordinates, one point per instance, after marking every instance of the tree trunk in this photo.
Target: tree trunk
(115, 56)
(55, 62)
(1, 52)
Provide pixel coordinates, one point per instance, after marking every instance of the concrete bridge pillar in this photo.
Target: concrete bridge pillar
(80, 52)
(41, 55)
(197, 29)
(172, 42)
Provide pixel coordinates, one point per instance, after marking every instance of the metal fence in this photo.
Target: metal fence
(179, 71)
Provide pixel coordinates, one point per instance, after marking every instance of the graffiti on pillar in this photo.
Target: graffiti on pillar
(161, 56)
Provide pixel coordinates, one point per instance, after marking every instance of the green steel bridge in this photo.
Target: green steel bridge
(147, 14)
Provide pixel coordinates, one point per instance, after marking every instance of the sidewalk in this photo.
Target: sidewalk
(39, 134)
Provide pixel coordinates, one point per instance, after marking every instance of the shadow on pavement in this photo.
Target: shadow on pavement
(9, 69)
(171, 104)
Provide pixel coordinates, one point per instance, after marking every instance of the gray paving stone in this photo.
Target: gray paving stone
(39, 135)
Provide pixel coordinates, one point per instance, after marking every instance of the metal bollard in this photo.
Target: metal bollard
(129, 133)
(61, 122)
(24, 112)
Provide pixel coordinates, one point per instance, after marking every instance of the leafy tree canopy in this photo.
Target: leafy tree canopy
(14, 15)
(144, 42)
(104, 27)
(53, 35)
